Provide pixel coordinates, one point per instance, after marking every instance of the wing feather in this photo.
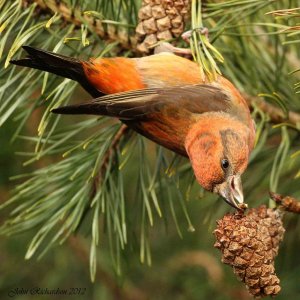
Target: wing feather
(140, 104)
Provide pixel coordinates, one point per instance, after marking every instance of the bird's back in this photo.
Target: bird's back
(119, 74)
(165, 70)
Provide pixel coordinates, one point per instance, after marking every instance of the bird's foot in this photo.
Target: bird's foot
(188, 34)
(167, 47)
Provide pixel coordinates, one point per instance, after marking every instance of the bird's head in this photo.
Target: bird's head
(219, 151)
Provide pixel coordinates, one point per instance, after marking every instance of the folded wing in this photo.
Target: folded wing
(163, 115)
(142, 104)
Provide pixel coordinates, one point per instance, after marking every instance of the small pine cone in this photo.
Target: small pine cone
(163, 18)
(249, 243)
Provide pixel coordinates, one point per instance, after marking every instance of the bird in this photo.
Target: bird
(164, 98)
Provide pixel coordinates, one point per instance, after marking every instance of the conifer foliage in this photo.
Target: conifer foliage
(92, 176)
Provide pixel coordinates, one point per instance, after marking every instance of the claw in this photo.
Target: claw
(187, 35)
(167, 47)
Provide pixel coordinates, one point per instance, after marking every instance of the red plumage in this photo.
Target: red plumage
(164, 98)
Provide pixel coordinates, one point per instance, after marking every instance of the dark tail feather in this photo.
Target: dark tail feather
(58, 64)
(51, 62)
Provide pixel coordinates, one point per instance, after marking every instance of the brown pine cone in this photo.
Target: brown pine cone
(249, 243)
(160, 20)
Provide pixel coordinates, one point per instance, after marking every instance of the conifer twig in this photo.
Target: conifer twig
(275, 113)
(129, 43)
(76, 17)
(288, 203)
(114, 144)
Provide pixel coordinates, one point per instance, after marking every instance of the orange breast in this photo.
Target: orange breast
(113, 75)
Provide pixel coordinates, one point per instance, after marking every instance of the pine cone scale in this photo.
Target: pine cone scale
(165, 19)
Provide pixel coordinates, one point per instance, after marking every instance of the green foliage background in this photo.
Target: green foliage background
(147, 207)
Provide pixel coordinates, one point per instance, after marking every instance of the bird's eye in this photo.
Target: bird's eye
(224, 164)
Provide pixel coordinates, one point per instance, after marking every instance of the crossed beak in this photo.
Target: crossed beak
(232, 191)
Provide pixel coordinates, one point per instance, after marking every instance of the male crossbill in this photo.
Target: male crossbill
(163, 97)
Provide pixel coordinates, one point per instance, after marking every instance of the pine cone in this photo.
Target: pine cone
(160, 20)
(249, 243)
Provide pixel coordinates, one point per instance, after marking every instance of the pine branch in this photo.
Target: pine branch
(109, 153)
(276, 115)
(129, 43)
(287, 203)
(96, 185)
(75, 16)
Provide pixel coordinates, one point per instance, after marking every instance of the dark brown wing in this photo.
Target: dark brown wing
(141, 104)
(163, 114)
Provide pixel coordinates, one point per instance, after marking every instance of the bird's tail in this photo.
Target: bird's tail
(58, 64)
